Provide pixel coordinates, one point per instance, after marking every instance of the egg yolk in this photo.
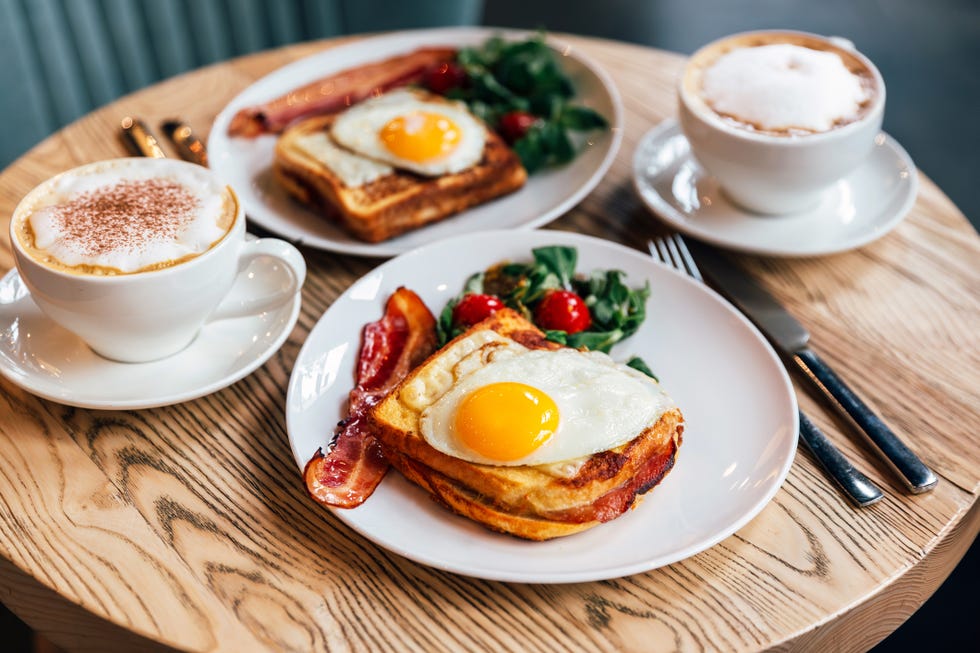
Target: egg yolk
(420, 136)
(506, 421)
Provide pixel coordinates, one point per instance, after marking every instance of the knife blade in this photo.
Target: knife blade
(792, 338)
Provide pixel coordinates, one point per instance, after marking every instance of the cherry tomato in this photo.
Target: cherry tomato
(474, 307)
(563, 310)
(512, 126)
(445, 77)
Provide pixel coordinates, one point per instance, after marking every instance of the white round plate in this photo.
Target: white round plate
(739, 407)
(860, 208)
(245, 164)
(51, 362)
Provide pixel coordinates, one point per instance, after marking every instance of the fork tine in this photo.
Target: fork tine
(673, 251)
(685, 255)
(663, 252)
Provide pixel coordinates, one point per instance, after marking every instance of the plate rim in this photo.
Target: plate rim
(664, 210)
(218, 139)
(568, 576)
(250, 365)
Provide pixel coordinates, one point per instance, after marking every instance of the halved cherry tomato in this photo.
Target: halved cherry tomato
(512, 126)
(445, 77)
(475, 307)
(563, 310)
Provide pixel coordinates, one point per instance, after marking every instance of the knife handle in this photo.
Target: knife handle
(855, 485)
(140, 139)
(917, 477)
(188, 145)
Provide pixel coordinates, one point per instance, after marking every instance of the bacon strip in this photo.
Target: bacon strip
(337, 92)
(353, 467)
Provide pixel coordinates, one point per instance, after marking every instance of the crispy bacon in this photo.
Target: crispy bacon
(337, 92)
(391, 347)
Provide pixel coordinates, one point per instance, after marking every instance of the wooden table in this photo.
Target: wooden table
(188, 526)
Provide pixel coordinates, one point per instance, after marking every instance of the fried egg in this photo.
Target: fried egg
(352, 170)
(492, 401)
(413, 131)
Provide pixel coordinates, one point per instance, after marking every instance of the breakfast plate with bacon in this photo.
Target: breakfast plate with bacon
(391, 142)
(689, 394)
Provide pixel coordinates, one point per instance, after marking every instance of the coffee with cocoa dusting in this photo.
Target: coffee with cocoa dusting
(112, 221)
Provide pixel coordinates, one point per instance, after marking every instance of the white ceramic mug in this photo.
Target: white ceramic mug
(144, 316)
(776, 174)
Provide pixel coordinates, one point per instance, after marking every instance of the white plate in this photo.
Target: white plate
(245, 163)
(858, 209)
(739, 441)
(51, 362)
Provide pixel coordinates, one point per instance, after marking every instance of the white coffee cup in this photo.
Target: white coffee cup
(157, 311)
(777, 173)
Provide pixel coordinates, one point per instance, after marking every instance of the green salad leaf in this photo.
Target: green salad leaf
(617, 310)
(507, 76)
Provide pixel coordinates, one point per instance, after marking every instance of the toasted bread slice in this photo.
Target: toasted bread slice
(396, 202)
(534, 502)
(467, 503)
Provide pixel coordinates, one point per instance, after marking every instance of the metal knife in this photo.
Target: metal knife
(189, 146)
(791, 337)
(855, 485)
(139, 139)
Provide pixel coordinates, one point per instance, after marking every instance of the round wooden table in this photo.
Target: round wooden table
(189, 527)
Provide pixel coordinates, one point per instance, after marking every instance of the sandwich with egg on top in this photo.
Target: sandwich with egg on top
(394, 163)
(526, 436)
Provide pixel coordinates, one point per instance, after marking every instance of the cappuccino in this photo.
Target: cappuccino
(781, 84)
(124, 217)
(82, 239)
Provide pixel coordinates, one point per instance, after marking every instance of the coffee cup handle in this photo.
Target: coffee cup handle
(286, 272)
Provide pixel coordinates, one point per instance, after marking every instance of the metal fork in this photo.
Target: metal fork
(673, 251)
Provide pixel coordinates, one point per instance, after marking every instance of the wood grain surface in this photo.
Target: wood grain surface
(188, 526)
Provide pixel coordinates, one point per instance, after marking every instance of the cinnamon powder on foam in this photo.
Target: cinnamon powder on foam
(127, 215)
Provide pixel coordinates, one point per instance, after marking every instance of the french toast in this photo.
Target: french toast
(398, 201)
(532, 502)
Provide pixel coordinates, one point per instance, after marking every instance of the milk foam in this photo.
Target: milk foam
(783, 87)
(130, 217)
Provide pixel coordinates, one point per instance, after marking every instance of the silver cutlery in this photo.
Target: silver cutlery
(858, 488)
(139, 139)
(188, 145)
(791, 338)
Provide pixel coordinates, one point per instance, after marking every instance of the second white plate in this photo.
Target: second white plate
(858, 209)
(245, 164)
(740, 410)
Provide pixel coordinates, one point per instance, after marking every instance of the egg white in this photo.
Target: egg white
(352, 170)
(601, 404)
(359, 130)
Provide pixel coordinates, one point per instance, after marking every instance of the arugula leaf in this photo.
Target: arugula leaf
(474, 283)
(580, 118)
(640, 365)
(595, 340)
(559, 260)
(444, 325)
(617, 310)
(445, 331)
(526, 76)
(556, 335)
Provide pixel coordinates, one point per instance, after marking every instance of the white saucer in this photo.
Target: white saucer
(51, 362)
(860, 208)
